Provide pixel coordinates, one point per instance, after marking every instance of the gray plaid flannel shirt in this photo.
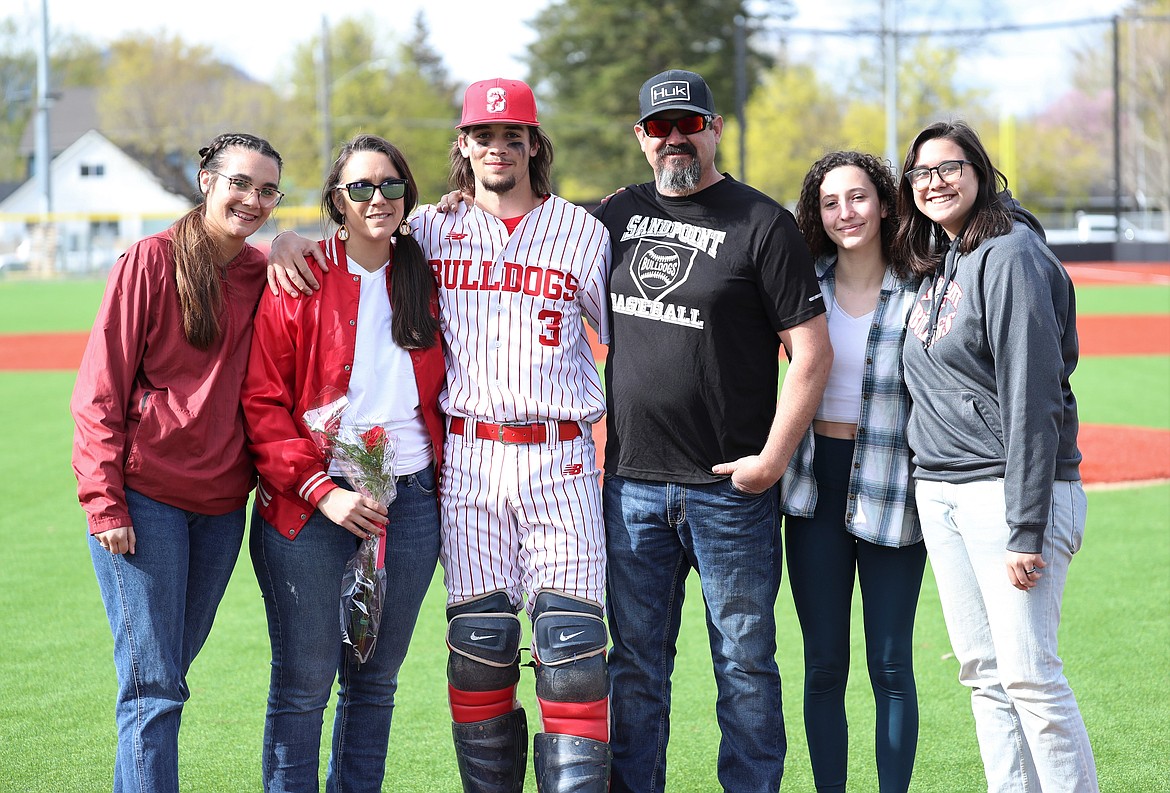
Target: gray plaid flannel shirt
(881, 495)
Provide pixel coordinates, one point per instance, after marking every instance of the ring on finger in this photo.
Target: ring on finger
(1029, 572)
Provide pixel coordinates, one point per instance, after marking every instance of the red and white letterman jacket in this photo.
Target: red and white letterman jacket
(301, 348)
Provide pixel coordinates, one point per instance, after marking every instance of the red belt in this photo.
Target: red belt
(517, 433)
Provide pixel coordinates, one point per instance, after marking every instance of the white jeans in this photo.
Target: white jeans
(1031, 733)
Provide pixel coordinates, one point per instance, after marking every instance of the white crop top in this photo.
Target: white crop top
(842, 399)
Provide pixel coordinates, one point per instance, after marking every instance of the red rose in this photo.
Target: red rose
(374, 438)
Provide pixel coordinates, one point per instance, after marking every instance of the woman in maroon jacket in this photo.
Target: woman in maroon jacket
(159, 450)
(372, 336)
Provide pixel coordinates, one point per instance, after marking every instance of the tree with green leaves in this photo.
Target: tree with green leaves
(1065, 150)
(1064, 153)
(423, 111)
(928, 90)
(18, 71)
(398, 90)
(793, 118)
(356, 83)
(163, 98)
(591, 56)
(796, 115)
(74, 62)
(1146, 103)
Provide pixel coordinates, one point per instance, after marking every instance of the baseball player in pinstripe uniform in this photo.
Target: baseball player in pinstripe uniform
(518, 271)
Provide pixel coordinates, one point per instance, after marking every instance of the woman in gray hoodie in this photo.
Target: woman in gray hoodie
(990, 346)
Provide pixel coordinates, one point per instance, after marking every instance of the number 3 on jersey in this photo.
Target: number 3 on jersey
(551, 337)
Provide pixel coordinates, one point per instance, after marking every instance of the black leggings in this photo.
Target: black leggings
(823, 560)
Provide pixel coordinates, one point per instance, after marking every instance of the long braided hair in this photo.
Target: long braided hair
(198, 271)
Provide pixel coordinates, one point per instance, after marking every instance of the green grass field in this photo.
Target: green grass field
(57, 679)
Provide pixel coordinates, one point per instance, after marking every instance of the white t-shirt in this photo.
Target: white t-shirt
(382, 388)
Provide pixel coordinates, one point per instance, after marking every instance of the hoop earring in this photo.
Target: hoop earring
(343, 233)
(404, 229)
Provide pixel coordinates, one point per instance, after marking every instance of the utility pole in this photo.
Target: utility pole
(890, 64)
(741, 91)
(1117, 129)
(43, 156)
(324, 98)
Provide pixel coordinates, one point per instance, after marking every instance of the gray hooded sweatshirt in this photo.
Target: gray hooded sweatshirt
(989, 349)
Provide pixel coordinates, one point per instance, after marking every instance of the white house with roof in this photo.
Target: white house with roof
(103, 199)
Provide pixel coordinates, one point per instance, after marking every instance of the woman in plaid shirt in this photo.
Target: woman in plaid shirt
(846, 494)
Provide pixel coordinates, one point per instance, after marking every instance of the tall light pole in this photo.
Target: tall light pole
(324, 103)
(1117, 127)
(325, 90)
(43, 154)
(890, 63)
(741, 91)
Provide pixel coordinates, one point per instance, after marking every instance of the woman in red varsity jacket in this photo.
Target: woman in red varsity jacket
(372, 337)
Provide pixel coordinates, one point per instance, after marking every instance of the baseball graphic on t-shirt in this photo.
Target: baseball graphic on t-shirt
(658, 268)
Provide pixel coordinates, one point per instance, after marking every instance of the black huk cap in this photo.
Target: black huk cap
(675, 89)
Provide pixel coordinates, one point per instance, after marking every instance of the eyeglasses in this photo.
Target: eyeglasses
(364, 191)
(950, 171)
(687, 125)
(241, 189)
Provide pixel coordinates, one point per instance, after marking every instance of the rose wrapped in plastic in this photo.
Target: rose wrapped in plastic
(365, 453)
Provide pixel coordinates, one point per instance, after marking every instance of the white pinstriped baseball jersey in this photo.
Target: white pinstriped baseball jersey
(520, 517)
(512, 310)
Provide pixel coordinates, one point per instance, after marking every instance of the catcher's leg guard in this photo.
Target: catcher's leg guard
(483, 667)
(572, 689)
(492, 754)
(568, 764)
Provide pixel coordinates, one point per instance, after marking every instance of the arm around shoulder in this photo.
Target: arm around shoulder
(288, 264)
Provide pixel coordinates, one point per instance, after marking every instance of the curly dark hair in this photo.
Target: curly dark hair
(920, 240)
(808, 206)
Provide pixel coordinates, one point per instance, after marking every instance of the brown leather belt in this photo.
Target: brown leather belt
(536, 432)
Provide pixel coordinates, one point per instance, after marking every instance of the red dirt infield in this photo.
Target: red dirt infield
(35, 351)
(1111, 453)
(1118, 273)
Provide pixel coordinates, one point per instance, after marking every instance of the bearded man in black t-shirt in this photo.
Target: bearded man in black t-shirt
(710, 278)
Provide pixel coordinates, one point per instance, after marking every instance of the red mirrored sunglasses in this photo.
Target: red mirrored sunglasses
(687, 125)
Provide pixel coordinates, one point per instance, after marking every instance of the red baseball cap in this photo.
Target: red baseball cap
(498, 101)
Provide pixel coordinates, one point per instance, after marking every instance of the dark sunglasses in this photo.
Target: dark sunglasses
(687, 125)
(364, 191)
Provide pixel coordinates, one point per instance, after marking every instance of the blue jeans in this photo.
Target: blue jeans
(823, 560)
(1030, 730)
(656, 533)
(301, 583)
(160, 602)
